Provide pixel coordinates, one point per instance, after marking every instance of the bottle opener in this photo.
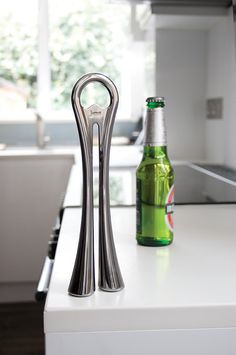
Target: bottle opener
(109, 276)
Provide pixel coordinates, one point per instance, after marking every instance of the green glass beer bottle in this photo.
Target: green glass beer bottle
(155, 181)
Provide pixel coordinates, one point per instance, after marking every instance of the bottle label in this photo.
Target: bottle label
(169, 207)
(138, 206)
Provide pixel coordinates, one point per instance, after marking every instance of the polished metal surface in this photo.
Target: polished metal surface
(83, 278)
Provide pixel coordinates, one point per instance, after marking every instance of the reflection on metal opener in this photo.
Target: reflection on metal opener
(83, 279)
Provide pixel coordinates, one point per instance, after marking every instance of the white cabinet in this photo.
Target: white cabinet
(32, 188)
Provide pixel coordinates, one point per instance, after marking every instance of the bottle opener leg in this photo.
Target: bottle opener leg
(110, 278)
(83, 279)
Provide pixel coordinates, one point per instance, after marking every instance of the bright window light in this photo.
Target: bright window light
(46, 45)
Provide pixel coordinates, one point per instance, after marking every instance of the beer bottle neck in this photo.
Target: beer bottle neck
(154, 151)
(154, 127)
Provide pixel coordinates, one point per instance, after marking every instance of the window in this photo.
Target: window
(46, 45)
(74, 38)
(18, 57)
(85, 36)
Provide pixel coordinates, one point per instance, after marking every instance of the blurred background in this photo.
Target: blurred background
(183, 50)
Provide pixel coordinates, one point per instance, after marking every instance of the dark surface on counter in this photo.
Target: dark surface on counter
(21, 329)
(193, 185)
(221, 170)
(198, 187)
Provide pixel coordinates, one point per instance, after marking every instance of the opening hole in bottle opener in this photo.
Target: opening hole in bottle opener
(95, 93)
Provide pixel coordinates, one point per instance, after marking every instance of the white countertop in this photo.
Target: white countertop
(120, 155)
(189, 284)
(35, 151)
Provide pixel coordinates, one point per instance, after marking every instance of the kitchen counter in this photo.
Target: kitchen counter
(35, 151)
(177, 299)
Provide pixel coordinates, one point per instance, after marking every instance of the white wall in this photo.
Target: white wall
(221, 82)
(181, 78)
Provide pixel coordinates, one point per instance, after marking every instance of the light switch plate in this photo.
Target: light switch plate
(214, 108)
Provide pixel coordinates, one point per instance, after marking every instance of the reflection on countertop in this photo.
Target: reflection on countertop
(191, 186)
(194, 183)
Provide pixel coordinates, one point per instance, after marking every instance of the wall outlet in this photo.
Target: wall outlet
(215, 108)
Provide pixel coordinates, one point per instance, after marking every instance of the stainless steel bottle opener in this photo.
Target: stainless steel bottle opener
(83, 279)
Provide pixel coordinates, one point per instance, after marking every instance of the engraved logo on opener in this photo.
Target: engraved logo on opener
(95, 111)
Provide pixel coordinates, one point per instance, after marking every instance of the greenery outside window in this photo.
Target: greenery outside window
(47, 45)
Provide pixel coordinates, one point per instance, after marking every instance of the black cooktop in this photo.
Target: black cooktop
(196, 184)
